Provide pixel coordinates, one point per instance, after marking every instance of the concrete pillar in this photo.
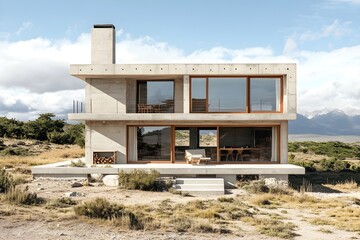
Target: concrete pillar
(229, 180)
(284, 142)
(186, 95)
(178, 98)
(103, 44)
(88, 152)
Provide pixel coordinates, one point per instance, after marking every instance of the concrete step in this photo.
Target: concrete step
(200, 185)
(185, 187)
(199, 181)
(204, 192)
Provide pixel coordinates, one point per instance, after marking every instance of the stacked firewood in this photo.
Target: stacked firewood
(104, 160)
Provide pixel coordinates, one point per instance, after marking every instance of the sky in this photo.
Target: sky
(40, 38)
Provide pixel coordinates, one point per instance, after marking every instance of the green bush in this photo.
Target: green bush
(77, 163)
(332, 165)
(14, 152)
(21, 196)
(334, 149)
(355, 167)
(62, 202)
(6, 181)
(100, 208)
(139, 179)
(256, 186)
(309, 166)
(103, 209)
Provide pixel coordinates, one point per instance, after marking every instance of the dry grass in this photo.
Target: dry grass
(273, 227)
(348, 185)
(51, 156)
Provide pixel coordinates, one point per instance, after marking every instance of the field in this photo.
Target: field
(320, 209)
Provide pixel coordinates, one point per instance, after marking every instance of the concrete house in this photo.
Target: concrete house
(163, 116)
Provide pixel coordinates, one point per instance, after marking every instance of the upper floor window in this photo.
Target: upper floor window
(264, 94)
(155, 96)
(236, 94)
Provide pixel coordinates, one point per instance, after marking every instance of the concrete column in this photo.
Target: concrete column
(88, 103)
(186, 91)
(284, 142)
(88, 153)
(103, 44)
(178, 98)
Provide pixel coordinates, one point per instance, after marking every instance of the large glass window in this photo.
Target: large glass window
(227, 95)
(248, 144)
(155, 97)
(195, 138)
(236, 94)
(265, 94)
(198, 94)
(149, 143)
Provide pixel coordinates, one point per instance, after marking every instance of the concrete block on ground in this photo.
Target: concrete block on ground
(111, 180)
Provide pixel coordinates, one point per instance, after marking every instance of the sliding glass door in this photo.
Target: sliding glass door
(222, 144)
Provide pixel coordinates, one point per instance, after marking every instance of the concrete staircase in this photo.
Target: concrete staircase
(213, 186)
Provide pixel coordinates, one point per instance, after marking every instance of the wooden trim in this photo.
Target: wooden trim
(127, 144)
(278, 143)
(138, 81)
(248, 97)
(248, 108)
(207, 94)
(217, 144)
(217, 126)
(172, 144)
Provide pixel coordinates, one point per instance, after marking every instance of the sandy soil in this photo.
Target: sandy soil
(45, 225)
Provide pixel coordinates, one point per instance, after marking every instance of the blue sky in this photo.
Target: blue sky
(38, 39)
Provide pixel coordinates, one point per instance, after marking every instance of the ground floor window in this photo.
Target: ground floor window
(149, 143)
(225, 144)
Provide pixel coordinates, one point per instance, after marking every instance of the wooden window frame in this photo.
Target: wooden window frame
(217, 126)
(139, 81)
(248, 88)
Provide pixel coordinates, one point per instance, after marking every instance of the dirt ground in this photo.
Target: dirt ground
(42, 223)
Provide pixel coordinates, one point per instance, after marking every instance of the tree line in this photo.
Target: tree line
(44, 128)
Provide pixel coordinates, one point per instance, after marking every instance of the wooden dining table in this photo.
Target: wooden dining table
(242, 149)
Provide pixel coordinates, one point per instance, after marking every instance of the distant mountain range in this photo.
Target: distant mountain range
(334, 122)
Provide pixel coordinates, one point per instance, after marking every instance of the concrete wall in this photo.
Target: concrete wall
(105, 96)
(105, 136)
(103, 44)
(180, 74)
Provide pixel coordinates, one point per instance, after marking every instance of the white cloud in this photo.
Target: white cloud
(290, 46)
(329, 80)
(354, 2)
(34, 73)
(24, 26)
(335, 29)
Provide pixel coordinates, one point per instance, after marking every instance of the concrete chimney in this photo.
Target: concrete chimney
(103, 44)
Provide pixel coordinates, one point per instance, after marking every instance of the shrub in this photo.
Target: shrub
(256, 186)
(309, 166)
(355, 167)
(182, 224)
(21, 196)
(103, 209)
(6, 181)
(62, 202)
(139, 179)
(226, 199)
(332, 164)
(14, 152)
(100, 208)
(77, 163)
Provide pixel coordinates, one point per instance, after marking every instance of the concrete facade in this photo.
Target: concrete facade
(111, 99)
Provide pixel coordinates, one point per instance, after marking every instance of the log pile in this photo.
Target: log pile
(104, 160)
